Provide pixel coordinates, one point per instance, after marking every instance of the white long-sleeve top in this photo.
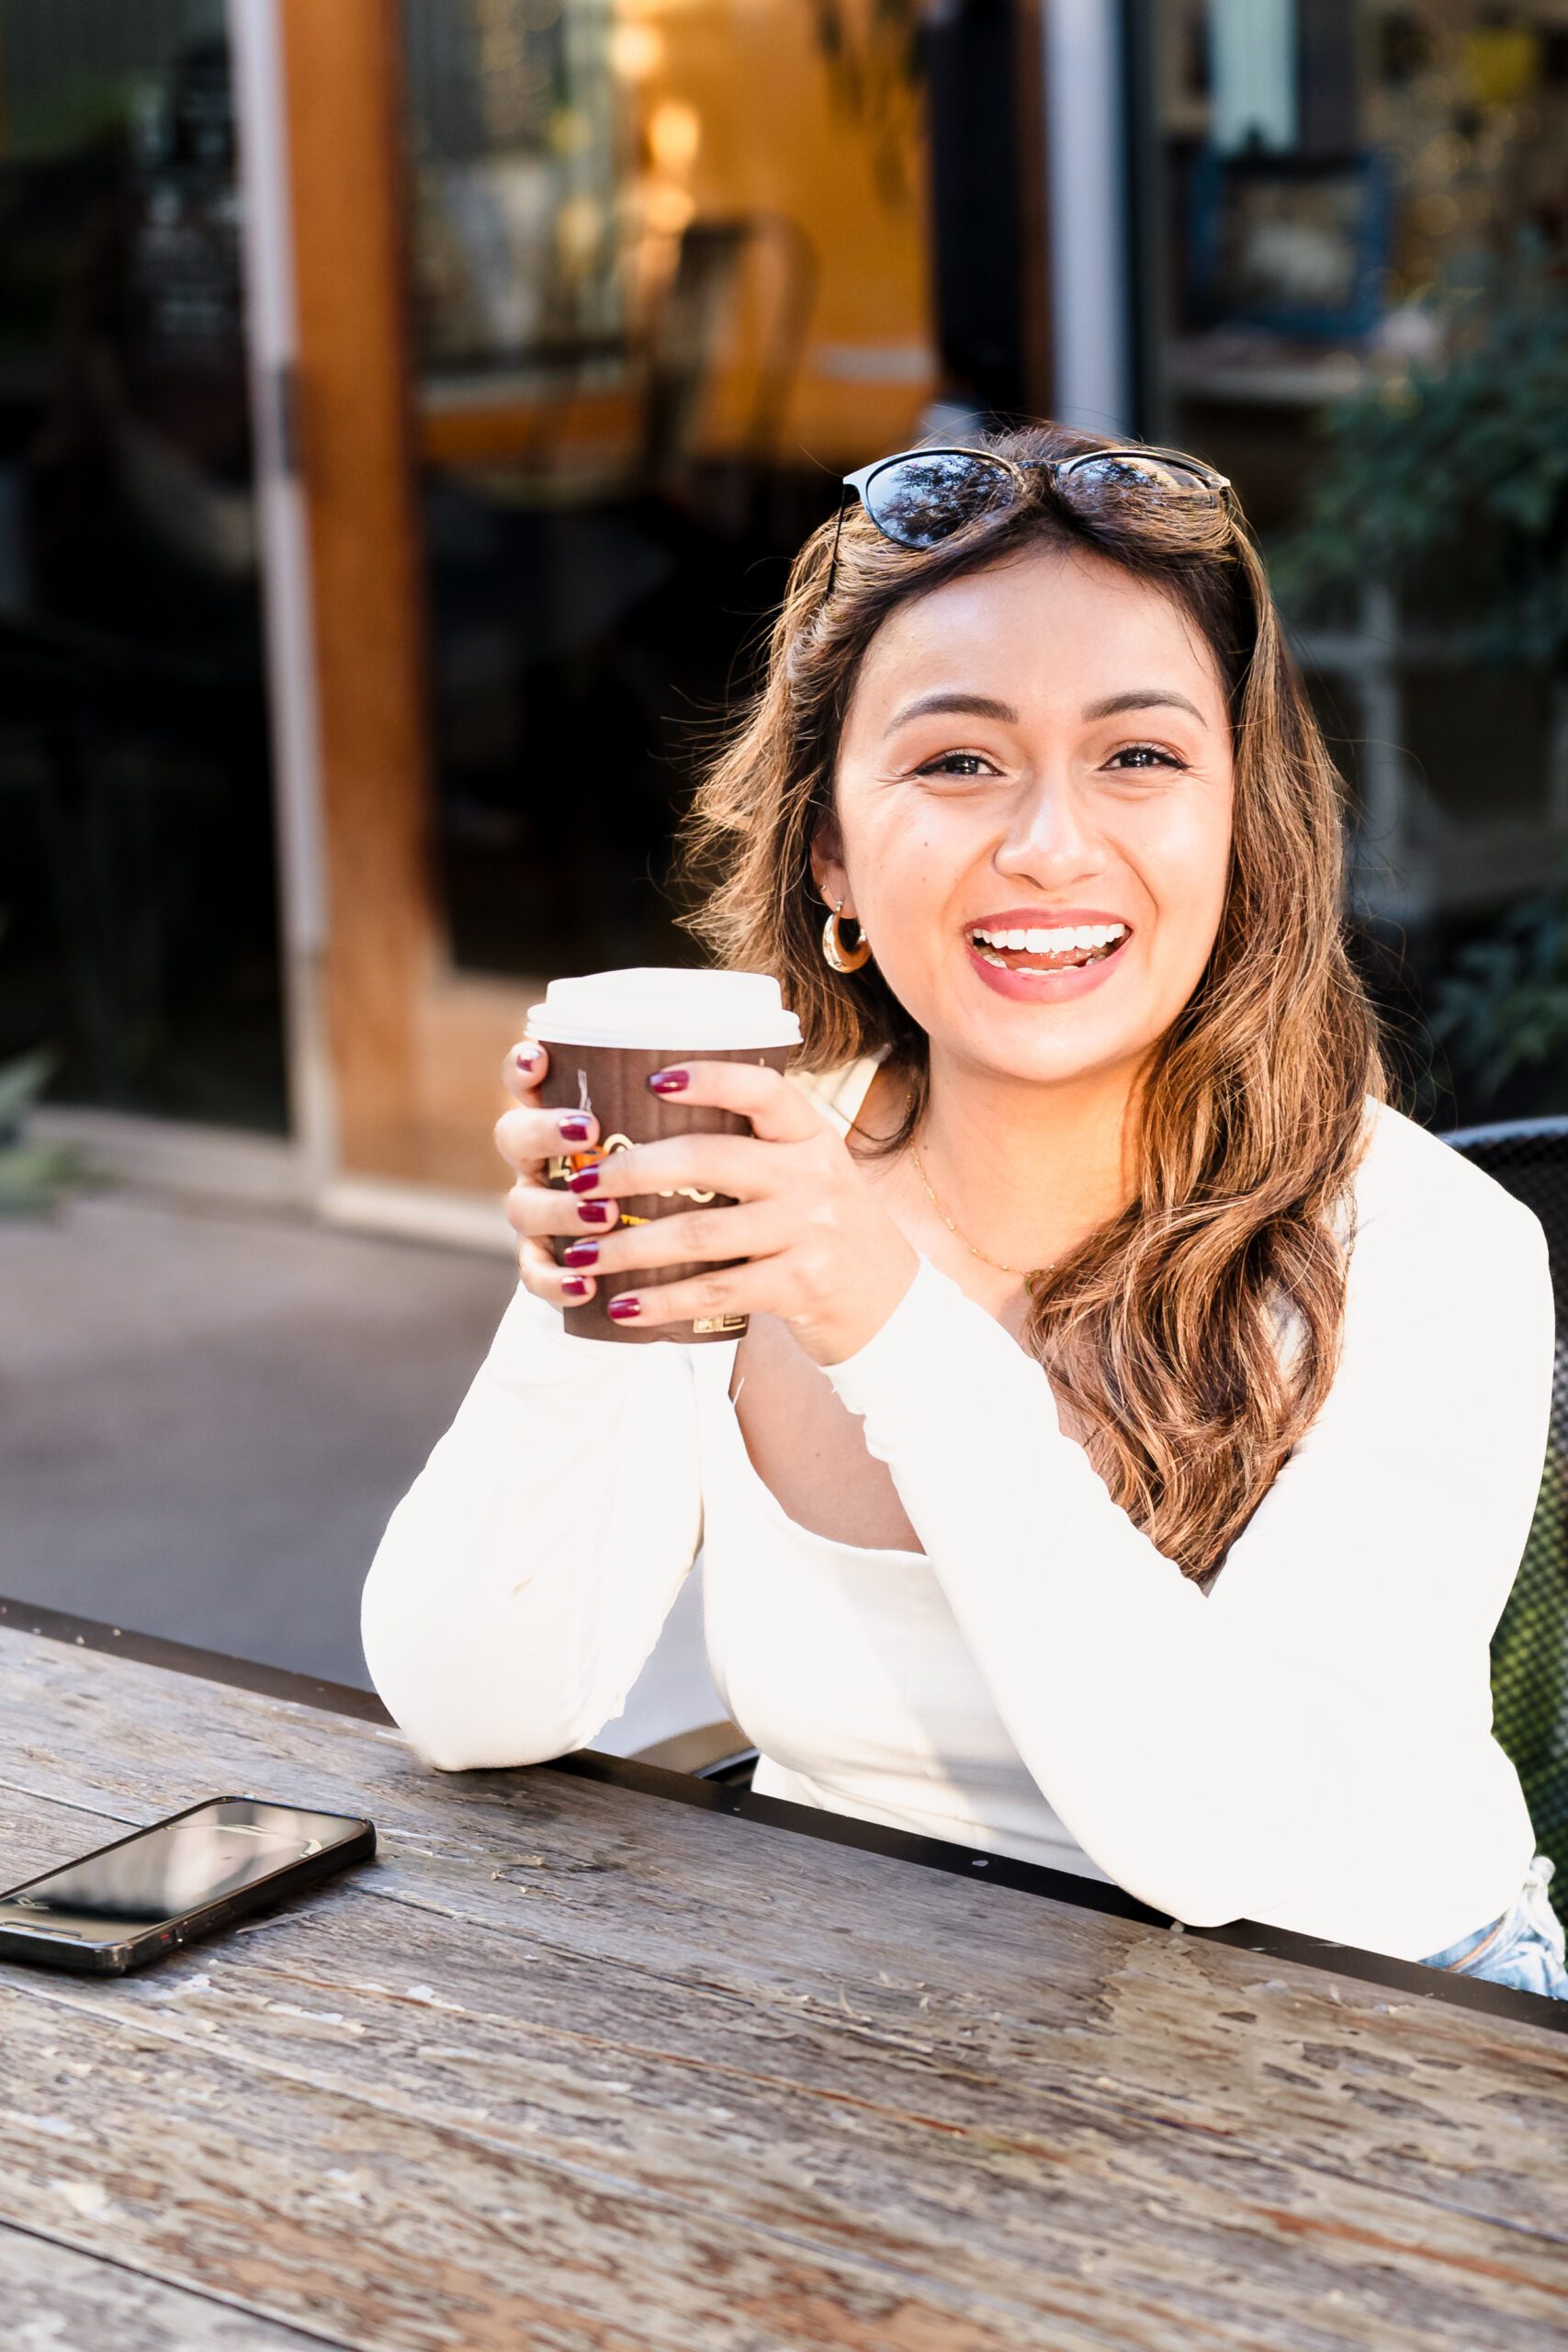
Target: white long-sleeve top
(1307, 1744)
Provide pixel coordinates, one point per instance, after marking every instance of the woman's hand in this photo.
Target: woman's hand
(824, 1255)
(527, 1138)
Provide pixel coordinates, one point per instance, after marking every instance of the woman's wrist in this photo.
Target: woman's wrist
(843, 1339)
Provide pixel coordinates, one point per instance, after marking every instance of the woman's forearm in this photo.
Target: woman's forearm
(1206, 1750)
(523, 1580)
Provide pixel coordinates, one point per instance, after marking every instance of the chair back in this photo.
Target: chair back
(1529, 1649)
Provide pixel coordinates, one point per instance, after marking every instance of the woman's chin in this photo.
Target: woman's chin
(1063, 1040)
(1060, 1061)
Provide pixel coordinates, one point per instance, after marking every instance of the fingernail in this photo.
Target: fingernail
(582, 1253)
(593, 1212)
(526, 1056)
(670, 1081)
(584, 1181)
(575, 1288)
(623, 1309)
(575, 1128)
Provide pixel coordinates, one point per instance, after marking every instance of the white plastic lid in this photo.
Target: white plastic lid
(659, 1008)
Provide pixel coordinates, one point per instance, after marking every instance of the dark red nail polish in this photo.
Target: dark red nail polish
(623, 1309)
(670, 1081)
(525, 1056)
(575, 1288)
(576, 1128)
(584, 1181)
(593, 1212)
(582, 1253)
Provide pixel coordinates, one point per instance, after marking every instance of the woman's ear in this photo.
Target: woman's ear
(828, 861)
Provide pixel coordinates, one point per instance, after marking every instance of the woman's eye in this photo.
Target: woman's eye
(956, 763)
(1144, 755)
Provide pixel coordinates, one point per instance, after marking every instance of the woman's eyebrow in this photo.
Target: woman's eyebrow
(1143, 698)
(952, 700)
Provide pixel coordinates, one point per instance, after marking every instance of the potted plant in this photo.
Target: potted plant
(33, 1176)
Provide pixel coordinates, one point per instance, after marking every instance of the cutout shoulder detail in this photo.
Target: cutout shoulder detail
(840, 1093)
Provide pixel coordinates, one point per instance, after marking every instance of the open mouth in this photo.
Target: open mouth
(1050, 951)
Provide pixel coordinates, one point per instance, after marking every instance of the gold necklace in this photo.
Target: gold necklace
(951, 1227)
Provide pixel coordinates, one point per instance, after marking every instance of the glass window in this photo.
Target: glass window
(1352, 225)
(136, 859)
(671, 277)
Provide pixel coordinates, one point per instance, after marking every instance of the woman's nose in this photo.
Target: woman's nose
(1051, 833)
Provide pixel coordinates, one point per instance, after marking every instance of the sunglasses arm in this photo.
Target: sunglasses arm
(838, 532)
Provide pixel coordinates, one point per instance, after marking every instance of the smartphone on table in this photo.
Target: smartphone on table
(144, 1895)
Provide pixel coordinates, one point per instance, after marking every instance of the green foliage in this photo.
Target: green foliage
(1448, 481)
(1530, 1675)
(33, 1176)
(1502, 1006)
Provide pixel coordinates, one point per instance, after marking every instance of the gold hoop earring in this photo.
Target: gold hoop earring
(832, 948)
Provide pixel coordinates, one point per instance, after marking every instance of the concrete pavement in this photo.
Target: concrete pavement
(207, 1412)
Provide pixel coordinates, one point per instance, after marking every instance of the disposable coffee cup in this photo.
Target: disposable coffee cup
(607, 1033)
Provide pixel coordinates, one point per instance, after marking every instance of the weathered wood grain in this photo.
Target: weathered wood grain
(57, 2300)
(985, 2206)
(389, 2230)
(826, 2076)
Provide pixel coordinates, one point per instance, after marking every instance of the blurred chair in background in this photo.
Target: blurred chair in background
(1529, 1649)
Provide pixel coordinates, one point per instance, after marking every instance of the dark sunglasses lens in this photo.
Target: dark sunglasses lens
(922, 500)
(1134, 476)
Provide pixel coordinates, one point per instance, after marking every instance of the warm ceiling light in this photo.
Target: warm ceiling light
(636, 52)
(667, 209)
(675, 135)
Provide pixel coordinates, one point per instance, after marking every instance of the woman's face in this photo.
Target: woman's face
(1038, 748)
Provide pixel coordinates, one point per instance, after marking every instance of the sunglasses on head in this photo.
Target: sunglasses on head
(921, 496)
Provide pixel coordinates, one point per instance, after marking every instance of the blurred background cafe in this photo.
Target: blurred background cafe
(408, 409)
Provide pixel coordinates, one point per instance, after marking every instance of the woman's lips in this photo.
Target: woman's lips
(1047, 988)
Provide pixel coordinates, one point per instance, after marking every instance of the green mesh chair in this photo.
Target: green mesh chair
(1529, 1650)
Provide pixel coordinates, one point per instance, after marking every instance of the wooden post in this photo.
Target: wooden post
(343, 83)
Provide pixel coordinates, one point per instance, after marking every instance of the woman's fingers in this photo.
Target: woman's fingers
(540, 1210)
(556, 1285)
(527, 1139)
(528, 1135)
(524, 1067)
(753, 1229)
(779, 1110)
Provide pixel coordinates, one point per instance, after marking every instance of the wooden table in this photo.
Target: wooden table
(575, 2065)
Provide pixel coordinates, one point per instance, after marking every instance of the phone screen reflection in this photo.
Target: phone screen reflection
(157, 1875)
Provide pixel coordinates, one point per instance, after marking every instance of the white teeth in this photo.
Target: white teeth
(1063, 942)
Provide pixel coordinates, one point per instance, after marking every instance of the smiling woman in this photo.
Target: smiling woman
(1092, 709)
(1104, 1478)
(1116, 802)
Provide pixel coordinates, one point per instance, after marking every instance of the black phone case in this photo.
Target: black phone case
(153, 1943)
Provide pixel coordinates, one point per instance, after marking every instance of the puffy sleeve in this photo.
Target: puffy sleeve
(523, 1578)
(1208, 1750)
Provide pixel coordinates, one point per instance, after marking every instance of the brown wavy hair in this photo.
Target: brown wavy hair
(1191, 1338)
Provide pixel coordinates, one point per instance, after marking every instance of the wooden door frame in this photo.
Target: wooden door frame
(413, 1047)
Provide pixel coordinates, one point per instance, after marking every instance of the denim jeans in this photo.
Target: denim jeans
(1524, 1947)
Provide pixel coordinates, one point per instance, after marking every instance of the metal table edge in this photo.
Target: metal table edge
(836, 1829)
